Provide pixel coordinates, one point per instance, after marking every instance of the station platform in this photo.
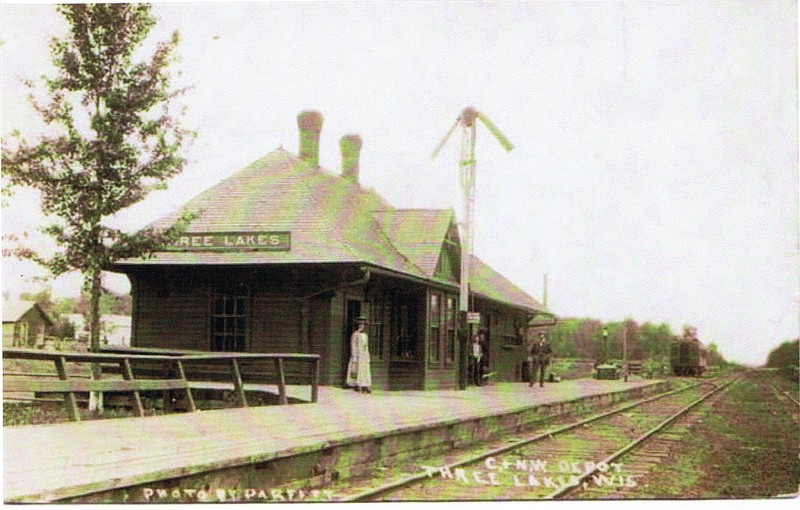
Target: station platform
(170, 458)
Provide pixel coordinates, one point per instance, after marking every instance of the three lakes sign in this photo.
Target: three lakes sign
(268, 241)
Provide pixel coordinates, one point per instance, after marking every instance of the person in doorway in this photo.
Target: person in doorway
(539, 359)
(476, 359)
(359, 376)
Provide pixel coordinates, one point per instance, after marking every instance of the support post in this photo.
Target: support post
(281, 381)
(315, 380)
(182, 374)
(127, 374)
(69, 398)
(238, 385)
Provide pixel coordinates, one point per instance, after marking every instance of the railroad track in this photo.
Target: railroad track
(593, 457)
(779, 393)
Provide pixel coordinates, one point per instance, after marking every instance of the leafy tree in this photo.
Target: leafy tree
(43, 298)
(116, 139)
(561, 338)
(622, 335)
(785, 355)
(715, 358)
(110, 303)
(654, 341)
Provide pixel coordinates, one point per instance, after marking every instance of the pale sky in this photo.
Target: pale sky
(655, 168)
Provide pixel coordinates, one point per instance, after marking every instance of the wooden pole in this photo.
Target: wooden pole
(281, 381)
(127, 374)
(238, 385)
(69, 398)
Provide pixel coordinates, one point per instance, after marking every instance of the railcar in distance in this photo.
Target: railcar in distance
(688, 357)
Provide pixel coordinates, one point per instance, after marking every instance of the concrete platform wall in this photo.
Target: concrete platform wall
(292, 471)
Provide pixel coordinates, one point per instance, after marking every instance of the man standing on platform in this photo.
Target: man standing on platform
(475, 359)
(538, 359)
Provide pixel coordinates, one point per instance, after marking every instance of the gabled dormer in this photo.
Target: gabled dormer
(427, 238)
(449, 265)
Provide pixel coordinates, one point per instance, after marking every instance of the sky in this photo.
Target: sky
(654, 174)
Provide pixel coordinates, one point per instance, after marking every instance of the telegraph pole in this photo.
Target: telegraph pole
(625, 350)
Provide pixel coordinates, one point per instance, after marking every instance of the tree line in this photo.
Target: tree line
(606, 341)
(785, 357)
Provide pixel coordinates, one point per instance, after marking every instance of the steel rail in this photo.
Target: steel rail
(777, 391)
(636, 442)
(369, 493)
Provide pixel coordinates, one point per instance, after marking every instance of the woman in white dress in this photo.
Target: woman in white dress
(359, 376)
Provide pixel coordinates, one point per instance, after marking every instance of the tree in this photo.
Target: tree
(785, 355)
(561, 337)
(116, 139)
(655, 340)
(715, 358)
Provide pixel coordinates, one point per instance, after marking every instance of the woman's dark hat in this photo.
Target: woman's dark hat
(361, 320)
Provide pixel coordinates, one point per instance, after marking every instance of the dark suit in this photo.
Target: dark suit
(538, 359)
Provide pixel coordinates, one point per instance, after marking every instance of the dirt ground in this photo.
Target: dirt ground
(745, 446)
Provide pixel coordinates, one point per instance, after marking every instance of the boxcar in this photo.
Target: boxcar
(688, 357)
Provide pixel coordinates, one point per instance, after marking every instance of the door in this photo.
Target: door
(352, 312)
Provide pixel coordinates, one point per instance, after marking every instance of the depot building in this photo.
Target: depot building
(284, 255)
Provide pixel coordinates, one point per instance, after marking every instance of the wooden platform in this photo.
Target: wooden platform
(63, 461)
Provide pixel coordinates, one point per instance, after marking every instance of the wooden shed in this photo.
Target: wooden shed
(25, 324)
(284, 255)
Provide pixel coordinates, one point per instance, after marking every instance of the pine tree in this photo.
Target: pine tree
(116, 139)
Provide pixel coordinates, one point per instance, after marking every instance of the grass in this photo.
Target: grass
(745, 447)
(37, 413)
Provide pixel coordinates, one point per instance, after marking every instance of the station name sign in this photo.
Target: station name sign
(233, 241)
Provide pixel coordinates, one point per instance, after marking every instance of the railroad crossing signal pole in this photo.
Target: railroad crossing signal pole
(467, 120)
(468, 188)
(467, 164)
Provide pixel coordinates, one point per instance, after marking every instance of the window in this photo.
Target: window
(228, 323)
(434, 345)
(376, 340)
(450, 325)
(376, 329)
(403, 328)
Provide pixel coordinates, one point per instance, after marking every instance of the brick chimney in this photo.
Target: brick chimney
(310, 124)
(351, 151)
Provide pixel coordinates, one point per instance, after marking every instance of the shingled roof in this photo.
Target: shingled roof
(331, 219)
(488, 283)
(14, 309)
(417, 233)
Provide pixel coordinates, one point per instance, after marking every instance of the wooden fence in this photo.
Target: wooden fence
(173, 374)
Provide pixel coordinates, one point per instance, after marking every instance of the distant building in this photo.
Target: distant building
(114, 329)
(284, 256)
(25, 324)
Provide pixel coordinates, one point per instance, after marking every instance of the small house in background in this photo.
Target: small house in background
(114, 329)
(25, 323)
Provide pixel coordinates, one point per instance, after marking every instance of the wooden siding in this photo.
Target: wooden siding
(173, 310)
(319, 321)
(405, 375)
(505, 356)
(441, 378)
(275, 326)
(336, 364)
(171, 318)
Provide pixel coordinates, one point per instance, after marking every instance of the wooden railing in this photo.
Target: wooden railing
(121, 361)
(235, 360)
